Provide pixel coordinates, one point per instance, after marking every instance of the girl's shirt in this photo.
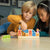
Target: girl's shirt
(43, 32)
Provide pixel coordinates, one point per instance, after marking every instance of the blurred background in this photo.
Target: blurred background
(8, 7)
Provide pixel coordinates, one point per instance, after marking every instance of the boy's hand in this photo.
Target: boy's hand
(23, 25)
(13, 33)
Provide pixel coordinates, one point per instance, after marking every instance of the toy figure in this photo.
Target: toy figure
(37, 32)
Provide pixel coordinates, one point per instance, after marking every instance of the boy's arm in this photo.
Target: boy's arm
(31, 24)
(14, 18)
(10, 28)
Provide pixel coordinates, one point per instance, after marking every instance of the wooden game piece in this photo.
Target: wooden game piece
(26, 34)
(33, 33)
(37, 32)
(6, 37)
(19, 32)
(30, 32)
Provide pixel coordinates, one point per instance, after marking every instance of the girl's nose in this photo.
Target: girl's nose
(40, 17)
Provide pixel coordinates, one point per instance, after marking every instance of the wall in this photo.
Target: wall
(5, 10)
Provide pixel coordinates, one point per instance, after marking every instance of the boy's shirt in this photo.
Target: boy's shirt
(14, 19)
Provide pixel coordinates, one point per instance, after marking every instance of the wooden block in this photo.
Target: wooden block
(30, 32)
(19, 32)
(37, 34)
(23, 37)
(26, 34)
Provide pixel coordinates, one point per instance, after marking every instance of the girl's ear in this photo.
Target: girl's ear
(49, 15)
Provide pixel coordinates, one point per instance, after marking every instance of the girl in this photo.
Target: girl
(43, 11)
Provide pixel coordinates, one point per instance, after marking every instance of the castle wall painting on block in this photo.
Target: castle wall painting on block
(30, 33)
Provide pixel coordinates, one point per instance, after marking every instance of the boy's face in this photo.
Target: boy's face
(28, 15)
(43, 15)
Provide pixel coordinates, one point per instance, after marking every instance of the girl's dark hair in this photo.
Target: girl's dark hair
(44, 5)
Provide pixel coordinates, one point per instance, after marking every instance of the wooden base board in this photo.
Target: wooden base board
(28, 36)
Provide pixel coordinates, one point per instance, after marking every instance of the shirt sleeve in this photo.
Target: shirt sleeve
(10, 28)
(14, 18)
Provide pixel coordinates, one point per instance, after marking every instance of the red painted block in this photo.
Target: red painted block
(30, 32)
(19, 32)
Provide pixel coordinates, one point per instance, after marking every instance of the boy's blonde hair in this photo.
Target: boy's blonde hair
(27, 6)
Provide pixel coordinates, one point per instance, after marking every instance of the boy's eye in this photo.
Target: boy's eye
(30, 13)
(25, 12)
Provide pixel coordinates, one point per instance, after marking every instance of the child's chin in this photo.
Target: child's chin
(43, 21)
(27, 19)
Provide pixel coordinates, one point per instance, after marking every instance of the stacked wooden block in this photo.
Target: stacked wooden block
(30, 33)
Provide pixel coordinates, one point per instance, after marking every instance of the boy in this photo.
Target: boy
(26, 20)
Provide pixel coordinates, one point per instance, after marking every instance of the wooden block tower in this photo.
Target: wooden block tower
(30, 33)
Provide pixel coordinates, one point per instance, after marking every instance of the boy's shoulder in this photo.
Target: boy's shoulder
(19, 15)
(15, 15)
(33, 19)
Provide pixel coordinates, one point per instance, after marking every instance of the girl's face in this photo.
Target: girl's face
(43, 15)
(28, 15)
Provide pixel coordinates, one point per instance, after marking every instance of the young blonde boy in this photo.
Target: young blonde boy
(26, 20)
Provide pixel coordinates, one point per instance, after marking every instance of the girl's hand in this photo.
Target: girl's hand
(23, 25)
(13, 33)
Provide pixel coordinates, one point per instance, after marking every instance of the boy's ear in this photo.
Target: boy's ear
(21, 11)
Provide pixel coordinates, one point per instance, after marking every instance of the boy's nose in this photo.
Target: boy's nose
(27, 13)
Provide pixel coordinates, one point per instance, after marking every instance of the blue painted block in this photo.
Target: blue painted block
(33, 33)
(25, 31)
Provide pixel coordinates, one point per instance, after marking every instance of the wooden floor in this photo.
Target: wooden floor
(43, 43)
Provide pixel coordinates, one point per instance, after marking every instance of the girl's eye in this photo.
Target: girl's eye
(42, 15)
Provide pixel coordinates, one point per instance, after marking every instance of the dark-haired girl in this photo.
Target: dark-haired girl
(43, 11)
